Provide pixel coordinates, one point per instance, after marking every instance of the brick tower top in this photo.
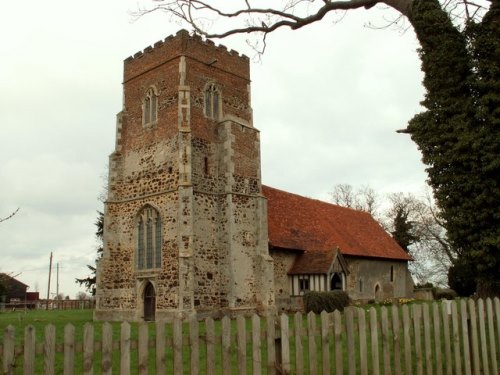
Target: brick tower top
(192, 46)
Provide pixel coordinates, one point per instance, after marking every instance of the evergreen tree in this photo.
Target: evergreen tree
(90, 281)
(403, 231)
(459, 134)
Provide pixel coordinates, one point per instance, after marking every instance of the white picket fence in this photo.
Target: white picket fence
(430, 338)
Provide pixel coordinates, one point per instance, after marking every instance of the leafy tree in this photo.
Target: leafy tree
(90, 281)
(458, 133)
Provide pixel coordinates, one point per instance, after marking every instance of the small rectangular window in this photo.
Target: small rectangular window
(304, 284)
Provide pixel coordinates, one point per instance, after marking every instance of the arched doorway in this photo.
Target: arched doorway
(378, 293)
(149, 302)
(336, 281)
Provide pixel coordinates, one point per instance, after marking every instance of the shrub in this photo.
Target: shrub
(424, 286)
(326, 301)
(442, 293)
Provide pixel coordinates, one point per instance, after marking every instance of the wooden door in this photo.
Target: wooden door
(149, 303)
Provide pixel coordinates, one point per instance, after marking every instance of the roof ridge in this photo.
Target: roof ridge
(319, 200)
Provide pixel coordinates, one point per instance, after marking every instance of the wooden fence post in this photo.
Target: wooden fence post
(125, 348)
(396, 339)
(446, 313)
(160, 347)
(9, 343)
(407, 339)
(143, 348)
(299, 351)
(194, 343)
(417, 313)
(427, 339)
(29, 350)
(385, 341)
(88, 349)
(271, 353)
(177, 344)
(491, 331)
(363, 360)
(465, 337)
(351, 352)
(69, 349)
(473, 342)
(437, 338)
(210, 329)
(456, 338)
(256, 345)
(374, 341)
(337, 328)
(49, 350)
(285, 345)
(226, 345)
(482, 336)
(325, 342)
(241, 341)
(311, 338)
(107, 349)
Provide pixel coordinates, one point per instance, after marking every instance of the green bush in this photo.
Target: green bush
(326, 301)
(443, 293)
(424, 286)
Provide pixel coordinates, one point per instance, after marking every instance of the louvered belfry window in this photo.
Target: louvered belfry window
(150, 107)
(212, 102)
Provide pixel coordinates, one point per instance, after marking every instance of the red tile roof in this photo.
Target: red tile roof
(317, 262)
(310, 262)
(299, 223)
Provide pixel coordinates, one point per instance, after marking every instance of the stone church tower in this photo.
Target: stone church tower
(185, 220)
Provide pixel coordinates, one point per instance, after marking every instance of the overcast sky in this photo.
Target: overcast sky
(327, 100)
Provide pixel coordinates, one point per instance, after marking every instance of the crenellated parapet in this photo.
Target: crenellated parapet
(194, 47)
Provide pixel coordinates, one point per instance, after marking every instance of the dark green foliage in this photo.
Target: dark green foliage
(443, 293)
(326, 301)
(459, 135)
(461, 279)
(90, 281)
(403, 229)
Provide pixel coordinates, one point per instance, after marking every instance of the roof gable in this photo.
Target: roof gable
(296, 222)
(319, 262)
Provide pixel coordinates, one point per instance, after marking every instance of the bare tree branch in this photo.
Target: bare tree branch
(10, 216)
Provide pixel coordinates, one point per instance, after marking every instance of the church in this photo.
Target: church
(189, 227)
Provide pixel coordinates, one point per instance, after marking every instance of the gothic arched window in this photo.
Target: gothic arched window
(212, 102)
(149, 239)
(150, 107)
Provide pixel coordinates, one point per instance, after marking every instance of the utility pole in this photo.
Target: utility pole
(57, 282)
(48, 287)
